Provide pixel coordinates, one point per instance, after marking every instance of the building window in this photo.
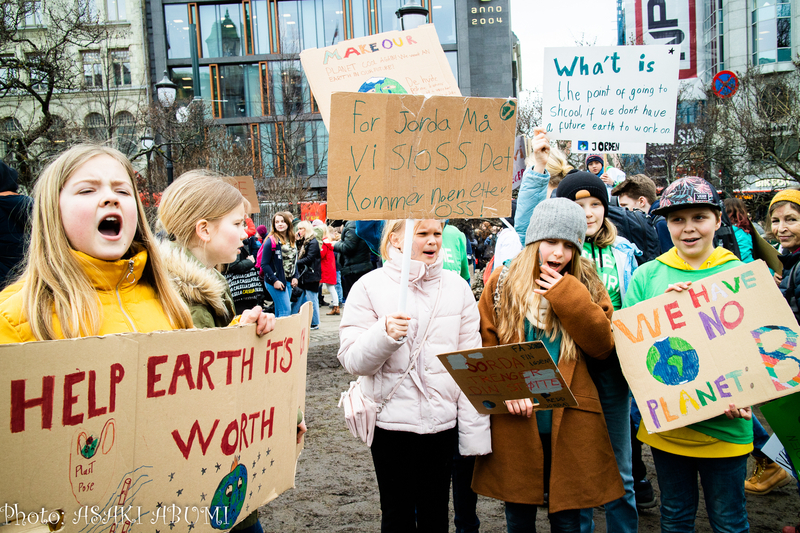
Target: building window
(96, 128)
(115, 10)
(387, 20)
(176, 17)
(121, 67)
(290, 92)
(358, 18)
(236, 91)
(771, 28)
(182, 77)
(10, 131)
(92, 70)
(443, 16)
(452, 58)
(221, 30)
(309, 24)
(125, 133)
(9, 72)
(33, 14)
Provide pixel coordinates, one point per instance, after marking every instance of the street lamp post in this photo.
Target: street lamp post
(412, 15)
(166, 92)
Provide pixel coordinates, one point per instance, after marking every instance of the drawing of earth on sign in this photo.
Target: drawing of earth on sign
(673, 361)
(382, 85)
(228, 499)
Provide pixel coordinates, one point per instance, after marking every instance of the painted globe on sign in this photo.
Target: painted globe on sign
(382, 85)
(228, 499)
(673, 361)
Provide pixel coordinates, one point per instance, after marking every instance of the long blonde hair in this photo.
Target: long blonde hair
(53, 279)
(606, 235)
(517, 296)
(194, 196)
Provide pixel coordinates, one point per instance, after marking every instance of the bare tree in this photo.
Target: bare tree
(38, 41)
(293, 146)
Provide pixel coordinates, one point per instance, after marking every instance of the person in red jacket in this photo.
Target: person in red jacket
(329, 270)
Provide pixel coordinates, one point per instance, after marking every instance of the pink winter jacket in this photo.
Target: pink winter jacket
(428, 400)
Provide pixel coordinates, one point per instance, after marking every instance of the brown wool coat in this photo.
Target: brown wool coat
(584, 472)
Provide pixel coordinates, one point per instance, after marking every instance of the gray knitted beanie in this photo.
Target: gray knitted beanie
(557, 218)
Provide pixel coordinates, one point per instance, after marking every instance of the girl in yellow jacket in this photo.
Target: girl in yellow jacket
(92, 266)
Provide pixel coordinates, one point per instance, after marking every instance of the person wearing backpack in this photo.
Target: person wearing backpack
(638, 193)
(614, 258)
(276, 259)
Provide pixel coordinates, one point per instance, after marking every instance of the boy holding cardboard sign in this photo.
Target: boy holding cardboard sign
(717, 449)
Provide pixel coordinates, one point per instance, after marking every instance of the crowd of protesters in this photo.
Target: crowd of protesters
(579, 245)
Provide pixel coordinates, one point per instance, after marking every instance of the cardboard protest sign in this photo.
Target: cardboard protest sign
(394, 62)
(407, 156)
(489, 376)
(783, 416)
(194, 429)
(247, 187)
(729, 338)
(312, 211)
(520, 152)
(611, 94)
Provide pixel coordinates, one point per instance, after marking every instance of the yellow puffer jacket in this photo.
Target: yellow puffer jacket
(127, 305)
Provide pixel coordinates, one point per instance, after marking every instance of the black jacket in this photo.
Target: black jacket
(15, 215)
(308, 269)
(353, 251)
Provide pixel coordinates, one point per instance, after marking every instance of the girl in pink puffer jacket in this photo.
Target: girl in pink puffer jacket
(416, 430)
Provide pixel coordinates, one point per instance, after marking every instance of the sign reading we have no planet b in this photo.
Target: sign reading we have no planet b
(729, 338)
(411, 156)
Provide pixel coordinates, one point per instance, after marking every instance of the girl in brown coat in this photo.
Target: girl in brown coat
(549, 293)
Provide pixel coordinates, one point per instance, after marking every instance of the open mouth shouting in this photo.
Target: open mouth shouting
(555, 265)
(110, 226)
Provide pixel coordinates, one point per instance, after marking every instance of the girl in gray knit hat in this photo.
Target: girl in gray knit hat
(552, 294)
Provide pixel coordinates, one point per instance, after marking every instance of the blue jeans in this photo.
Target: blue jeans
(621, 514)
(521, 518)
(281, 299)
(723, 488)
(308, 296)
(339, 291)
(760, 438)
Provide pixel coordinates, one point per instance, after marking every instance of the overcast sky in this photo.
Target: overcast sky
(545, 23)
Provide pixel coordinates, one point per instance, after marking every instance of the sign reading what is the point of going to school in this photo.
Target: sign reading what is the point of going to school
(181, 431)
(611, 94)
(729, 338)
(413, 156)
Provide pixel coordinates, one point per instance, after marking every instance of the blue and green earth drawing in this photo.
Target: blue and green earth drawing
(382, 85)
(673, 361)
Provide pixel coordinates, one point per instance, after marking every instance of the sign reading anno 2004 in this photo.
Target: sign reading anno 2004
(730, 338)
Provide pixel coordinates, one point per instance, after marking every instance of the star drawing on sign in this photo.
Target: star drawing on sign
(251, 493)
(268, 450)
(218, 466)
(271, 461)
(254, 475)
(671, 51)
(171, 525)
(159, 505)
(259, 487)
(180, 492)
(202, 496)
(263, 470)
(254, 464)
(202, 471)
(171, 476)
(191, 526)
(259, 456)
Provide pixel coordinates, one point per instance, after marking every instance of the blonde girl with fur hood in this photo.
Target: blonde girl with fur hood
(93, 267)
(550, 293)
(416, 433)
(204, 216)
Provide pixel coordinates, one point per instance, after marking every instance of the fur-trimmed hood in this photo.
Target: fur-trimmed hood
(198, 285)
